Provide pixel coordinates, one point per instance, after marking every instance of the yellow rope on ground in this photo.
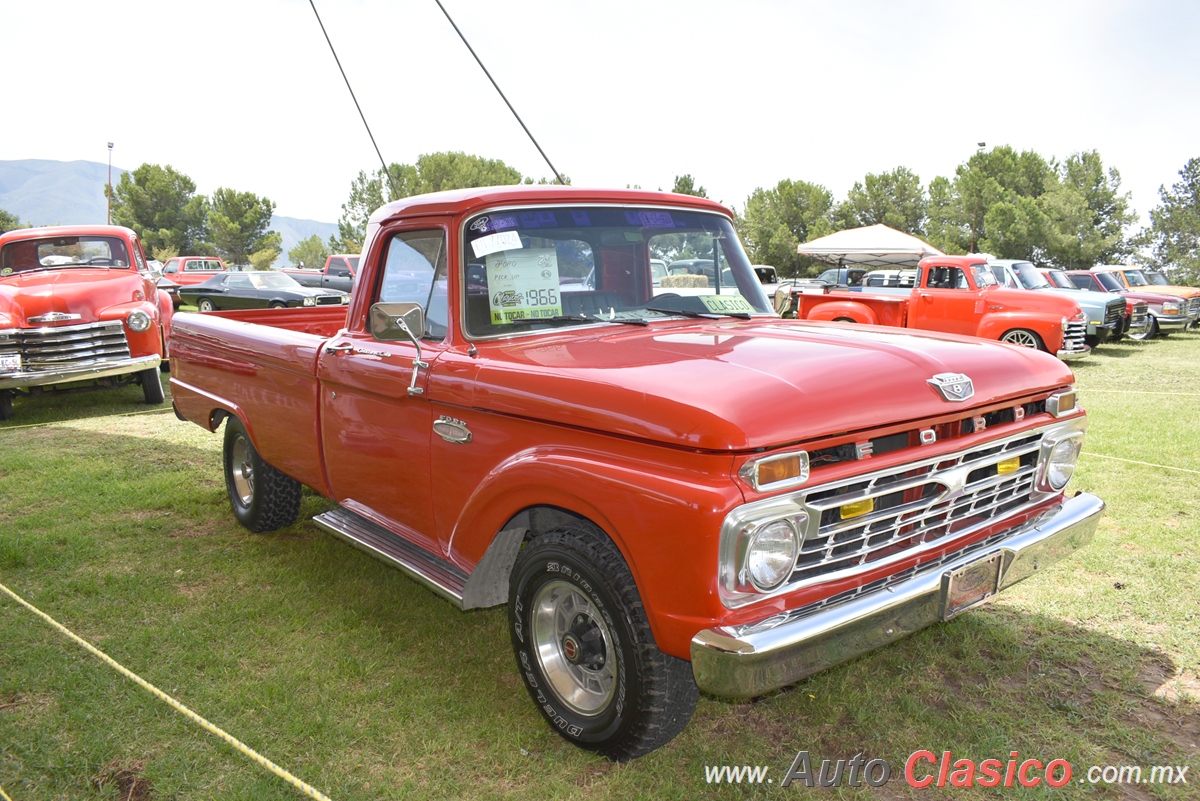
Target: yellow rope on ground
(77, 419)
(4, 795)
(1135, 461)
(129, 674)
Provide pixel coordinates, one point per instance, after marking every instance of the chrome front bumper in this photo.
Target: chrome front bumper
(105, 369)
(751, 660)
(1068, 355)
(1170, 324)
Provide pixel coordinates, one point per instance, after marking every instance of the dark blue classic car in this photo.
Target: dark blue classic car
(257, 290)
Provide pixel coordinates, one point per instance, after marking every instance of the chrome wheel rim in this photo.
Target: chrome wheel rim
(243, 471)
(574, 648)
(1022, 338)
(206, 305)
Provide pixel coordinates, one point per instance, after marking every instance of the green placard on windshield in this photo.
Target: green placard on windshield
(726, 304)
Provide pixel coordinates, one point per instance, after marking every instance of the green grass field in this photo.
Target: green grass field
(115, 522)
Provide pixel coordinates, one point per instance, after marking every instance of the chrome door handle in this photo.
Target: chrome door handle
(345, 347)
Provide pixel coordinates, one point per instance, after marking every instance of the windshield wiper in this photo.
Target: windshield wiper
(700, 315)
(581, 318)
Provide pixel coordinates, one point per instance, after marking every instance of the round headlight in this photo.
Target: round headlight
(771, 554)
(1061, 464)
(138, 320)
(310, 301)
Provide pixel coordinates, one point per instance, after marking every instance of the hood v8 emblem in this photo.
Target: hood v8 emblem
(952, 387)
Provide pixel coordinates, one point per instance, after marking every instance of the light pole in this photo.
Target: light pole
(110, 144)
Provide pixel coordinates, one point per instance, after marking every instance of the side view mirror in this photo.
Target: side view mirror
(390, 322)
(404, 322)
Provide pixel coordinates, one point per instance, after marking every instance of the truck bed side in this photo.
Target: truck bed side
(267, 360)
(861, 307)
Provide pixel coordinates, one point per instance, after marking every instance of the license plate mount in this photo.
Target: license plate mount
(970, 585)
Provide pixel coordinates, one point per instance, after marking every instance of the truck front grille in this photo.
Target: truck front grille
(1193, 306)
(66, 346)
(915, 507)
(1073, 337)
(1140, 316)
(1113, 313)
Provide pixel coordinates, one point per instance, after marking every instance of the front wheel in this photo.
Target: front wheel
(1149, 332)
(585, 650)
(1024, 338)
(152, 389)
(277, 304)
(263, 498)
(206, 305)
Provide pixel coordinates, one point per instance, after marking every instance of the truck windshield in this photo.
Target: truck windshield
(1109, 282)
(1060, 280)
(1135, 278)
(549, 267)
(1157, 278)
(63, 252)
(1029, 277)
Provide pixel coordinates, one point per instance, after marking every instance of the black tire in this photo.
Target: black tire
(1023, 337)
(844, 320)
(277, 304)
(152, 389)
(263, 499)
(206, 305)
(6, 411)
(619, 695)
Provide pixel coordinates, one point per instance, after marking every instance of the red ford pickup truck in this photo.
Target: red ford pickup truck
(960, 295)
(338, 273)
(78, 304)
(670, 493)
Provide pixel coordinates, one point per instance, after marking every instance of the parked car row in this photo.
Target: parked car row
(1003, 299)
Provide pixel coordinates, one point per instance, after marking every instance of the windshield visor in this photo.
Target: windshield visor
(549, 267)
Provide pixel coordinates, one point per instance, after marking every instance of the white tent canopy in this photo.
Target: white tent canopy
(869, 246)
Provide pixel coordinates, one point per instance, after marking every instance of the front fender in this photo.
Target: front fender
(141, 343)
(664, 518)
(1045, 325)
(858, 312)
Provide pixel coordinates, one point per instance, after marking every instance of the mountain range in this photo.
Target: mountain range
(43, 192)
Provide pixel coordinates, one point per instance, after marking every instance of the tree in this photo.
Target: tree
(686, 185)
(9, 221)
(238, 223)
(309, 252)
(895, 199)
(777, 220)
(1173, 237)
(161, 205)
(1087, 214)
(433, 172)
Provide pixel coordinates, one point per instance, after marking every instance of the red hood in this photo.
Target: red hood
(1150, 296)
(76, 290)
(747, 385)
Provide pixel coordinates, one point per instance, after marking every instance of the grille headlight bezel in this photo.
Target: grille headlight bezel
(138, 321)
(309, 301)
(1060, 454)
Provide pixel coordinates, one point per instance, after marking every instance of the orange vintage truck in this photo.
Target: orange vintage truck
(959, 295)
(670, 493)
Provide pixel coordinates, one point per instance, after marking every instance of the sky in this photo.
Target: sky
(245, 93)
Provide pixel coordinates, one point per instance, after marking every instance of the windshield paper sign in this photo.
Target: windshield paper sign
(523, 285)
(726, 304)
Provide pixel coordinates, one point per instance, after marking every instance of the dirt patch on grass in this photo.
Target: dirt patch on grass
(24, 703)
(190, 531)
(124, 781)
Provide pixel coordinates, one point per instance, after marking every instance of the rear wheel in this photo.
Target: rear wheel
(206, 305)
(585, 650)
(1024, 338)
(263, 498)
(844, 320)
(152, 389)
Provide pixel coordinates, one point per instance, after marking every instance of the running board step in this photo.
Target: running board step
(437, 574)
